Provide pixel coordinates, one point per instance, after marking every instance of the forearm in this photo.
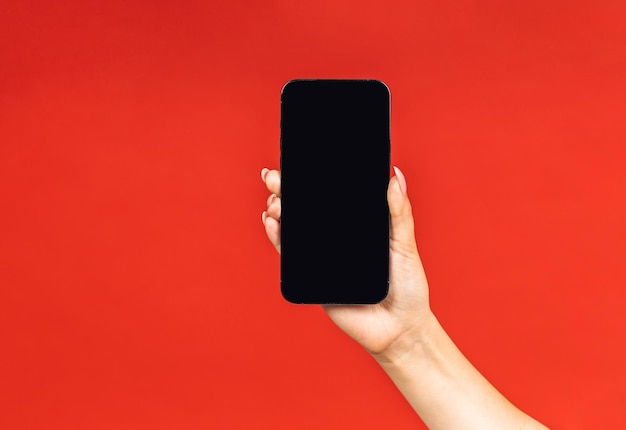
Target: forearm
(443, 387)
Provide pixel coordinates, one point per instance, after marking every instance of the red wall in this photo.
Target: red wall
(137, 288)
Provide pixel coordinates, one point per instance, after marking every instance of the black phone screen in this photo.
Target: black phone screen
(335, 155)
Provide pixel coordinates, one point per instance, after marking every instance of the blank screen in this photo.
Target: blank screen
(335, 154)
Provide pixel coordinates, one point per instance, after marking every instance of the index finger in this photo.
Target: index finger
(272, 180)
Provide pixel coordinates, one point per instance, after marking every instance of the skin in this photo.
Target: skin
(404, 336)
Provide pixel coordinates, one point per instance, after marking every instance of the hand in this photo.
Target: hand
(404, 336)
(390, 328)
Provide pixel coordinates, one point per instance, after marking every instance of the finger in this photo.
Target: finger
(272, 181)
(402, 234)
(274, 208)
(264, 172)
(272, 229)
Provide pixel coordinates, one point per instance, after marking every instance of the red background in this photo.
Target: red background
(138, 289)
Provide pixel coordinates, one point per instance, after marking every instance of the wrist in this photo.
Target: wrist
(415, 338)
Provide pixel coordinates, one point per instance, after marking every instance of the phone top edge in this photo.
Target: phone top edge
(303, 80)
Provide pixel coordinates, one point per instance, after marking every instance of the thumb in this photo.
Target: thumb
(402, 235)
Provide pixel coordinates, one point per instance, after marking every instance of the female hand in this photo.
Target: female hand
(389, 328)
(404, 336)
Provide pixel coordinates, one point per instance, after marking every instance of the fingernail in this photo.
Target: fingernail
(401, 180)
(264, 216)
(264, 172)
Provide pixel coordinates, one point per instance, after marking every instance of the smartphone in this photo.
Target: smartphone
(335, 162)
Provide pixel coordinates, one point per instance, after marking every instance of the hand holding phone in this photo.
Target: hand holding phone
(401, 332)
